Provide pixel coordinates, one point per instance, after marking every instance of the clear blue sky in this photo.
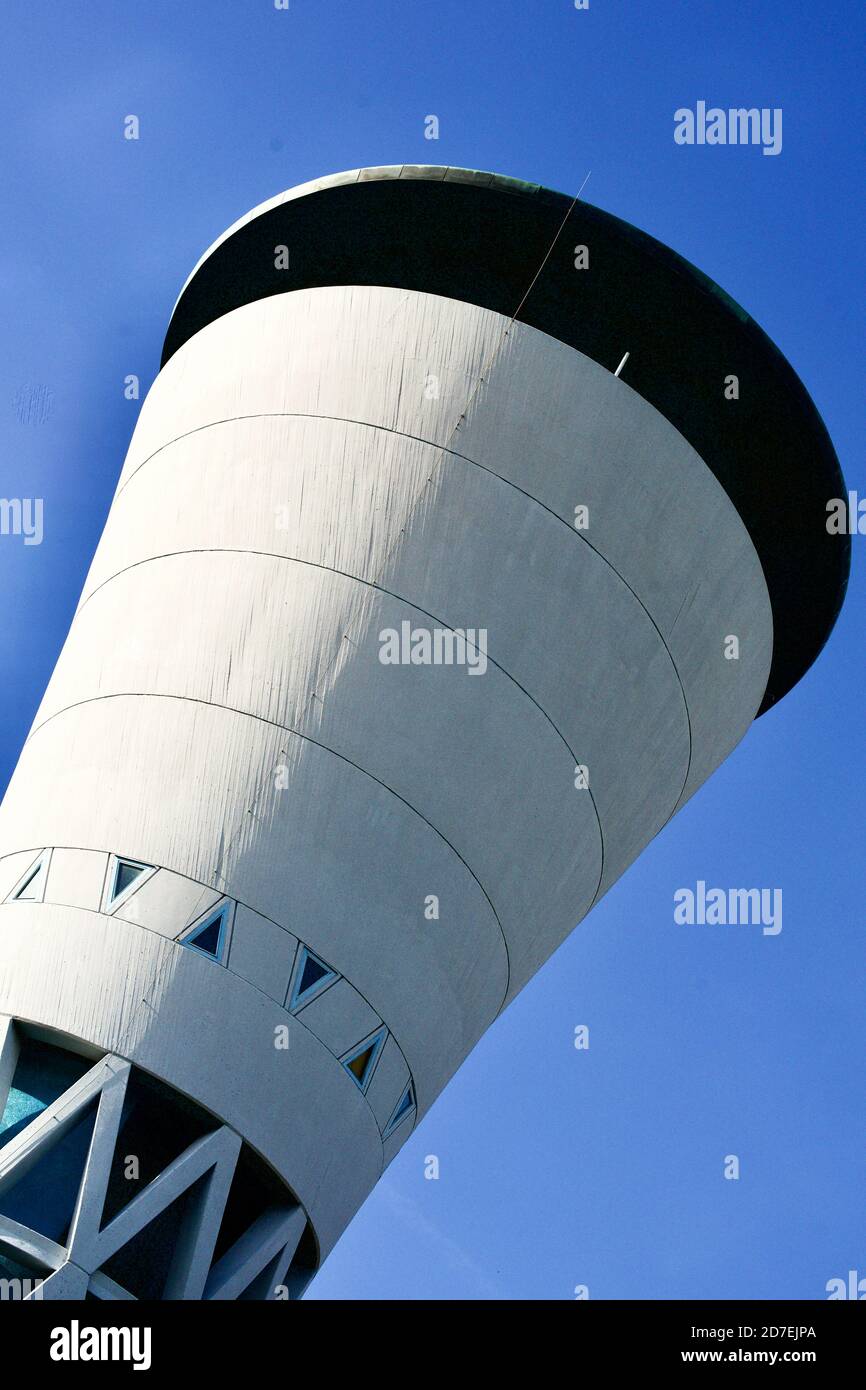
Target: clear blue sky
(558, 1167)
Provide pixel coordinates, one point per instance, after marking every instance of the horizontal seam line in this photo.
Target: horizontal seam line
(370, 584)
(242, 980)
(271, 723)
(164, 868)
(453, 453)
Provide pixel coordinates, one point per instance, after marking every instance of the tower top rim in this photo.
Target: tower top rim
(510, 246)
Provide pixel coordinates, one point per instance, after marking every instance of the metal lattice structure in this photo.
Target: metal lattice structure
(259, 1264)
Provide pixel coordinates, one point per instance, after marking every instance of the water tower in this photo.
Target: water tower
(463, 533)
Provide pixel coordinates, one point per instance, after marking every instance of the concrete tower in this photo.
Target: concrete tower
(419, 610)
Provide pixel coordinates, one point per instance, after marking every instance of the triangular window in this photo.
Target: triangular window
(359, 1063)
(32, 885)
(404, 1105)
(210, 935)
(311, 977)
(125, 876)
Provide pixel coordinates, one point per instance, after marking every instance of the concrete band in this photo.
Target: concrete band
(206, 1033)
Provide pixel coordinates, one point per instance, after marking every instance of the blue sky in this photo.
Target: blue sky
(557, 1167)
